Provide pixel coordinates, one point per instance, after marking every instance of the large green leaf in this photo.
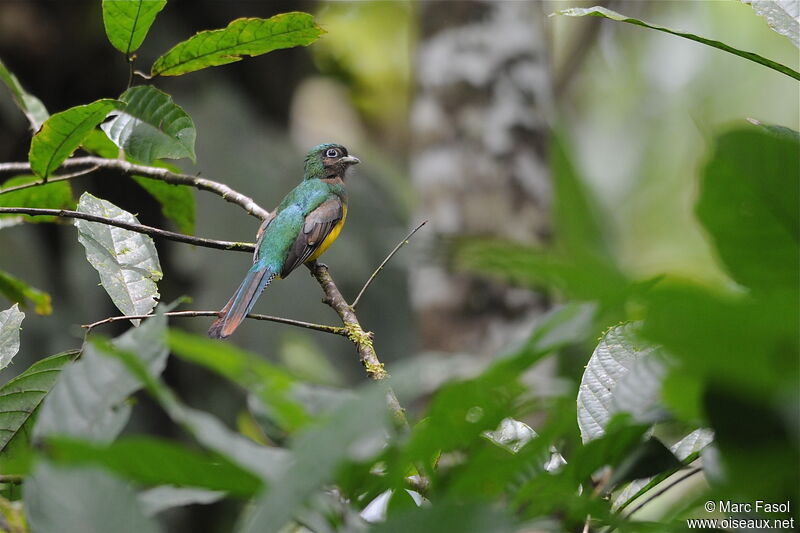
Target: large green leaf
(151, 126)
(266, 463)
(152, 462)
(88, 401)
(750, 206)
(19, 402)
(242, 37)
(533, 267)
(63, 132)
(355, 429)
(20, 292)
(158, 499)
(747, 342)
(449, 517)
(30, 105)
(61, 500)
(753, 436)
(127, 21)
(270, 383)
(57, 195)
(126, 261)
(177, 201)
(10, 321)
(599, 11)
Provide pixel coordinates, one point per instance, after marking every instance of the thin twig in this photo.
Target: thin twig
(51, 179)
(658, 493)
(383, 264)
(138, 228)
(336, 330)
(144, 171)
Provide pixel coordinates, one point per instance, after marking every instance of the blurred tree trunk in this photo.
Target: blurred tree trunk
(479, 162)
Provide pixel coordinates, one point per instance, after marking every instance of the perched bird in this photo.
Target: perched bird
(299, 230)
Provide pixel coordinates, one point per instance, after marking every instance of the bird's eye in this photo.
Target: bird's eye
(332, 152)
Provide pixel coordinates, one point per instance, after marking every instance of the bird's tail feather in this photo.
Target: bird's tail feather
(242, 302)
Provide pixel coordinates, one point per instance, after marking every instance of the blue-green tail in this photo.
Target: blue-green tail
(237, 308)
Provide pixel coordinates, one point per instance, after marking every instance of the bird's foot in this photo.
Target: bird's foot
(317, 264)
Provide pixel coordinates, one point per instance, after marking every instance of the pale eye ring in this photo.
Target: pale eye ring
(332, 152)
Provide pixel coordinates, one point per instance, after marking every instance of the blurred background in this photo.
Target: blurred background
(451, 106)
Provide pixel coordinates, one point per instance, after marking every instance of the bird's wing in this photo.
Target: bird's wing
(261, 231)
(318, 225)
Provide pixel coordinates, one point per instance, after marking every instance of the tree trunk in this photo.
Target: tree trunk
(479, 162)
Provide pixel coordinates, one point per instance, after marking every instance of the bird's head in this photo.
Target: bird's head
(327, 161)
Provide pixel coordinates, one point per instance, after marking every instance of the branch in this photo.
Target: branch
(336, 330)
(362, 339)
(51, 179)
(383, 264)
(138, 228)
(144, 171)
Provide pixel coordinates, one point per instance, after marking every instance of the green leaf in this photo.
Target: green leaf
(127, 21)
(648, 459)
(10, 322)
(20, 292)
(578, 224)
(88, 401)
(60, 500)
(557, 492)
(126, 261)
(98, 143)
(64, 132)
(532, 267)
(315, 455)
(151, 126)
(270, 383)
(266, 463)
(177, 201)
(750, 206)
(614, 357)
(19, 402)
(448, 517)
(689, 445)
(150, 461)
(158, 499)
(598, 11)
(746, 342)
(754, 437)
(242, 37)
(30, 105)
(56, 195)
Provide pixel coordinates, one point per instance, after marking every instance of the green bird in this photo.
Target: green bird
(298, 231)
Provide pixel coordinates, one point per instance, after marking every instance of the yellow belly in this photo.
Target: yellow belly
(332, 236)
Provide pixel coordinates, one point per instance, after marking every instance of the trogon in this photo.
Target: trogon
(299, 230)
